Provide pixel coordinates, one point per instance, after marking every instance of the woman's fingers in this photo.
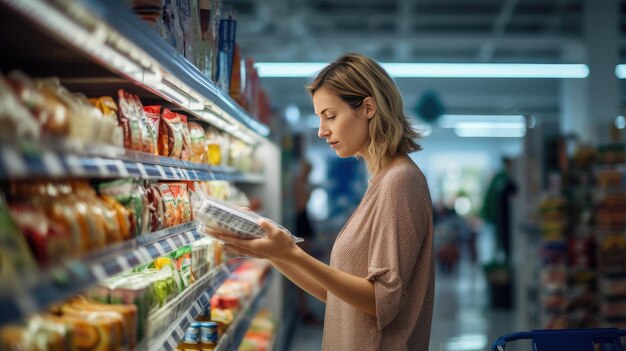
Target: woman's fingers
(267, 226)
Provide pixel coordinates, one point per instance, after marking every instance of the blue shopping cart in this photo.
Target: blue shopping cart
(602, 339)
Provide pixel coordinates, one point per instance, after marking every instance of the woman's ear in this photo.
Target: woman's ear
(370, 107)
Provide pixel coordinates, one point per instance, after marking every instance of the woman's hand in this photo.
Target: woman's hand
(277, 245)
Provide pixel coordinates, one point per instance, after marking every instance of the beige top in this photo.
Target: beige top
(389, 240)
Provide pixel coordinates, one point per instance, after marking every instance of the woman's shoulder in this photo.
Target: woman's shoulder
(403, 173)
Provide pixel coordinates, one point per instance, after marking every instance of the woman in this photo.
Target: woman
(378, 288)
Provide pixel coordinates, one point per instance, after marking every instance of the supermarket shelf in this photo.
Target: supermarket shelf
(235, 333)
(109, 34)
(76, 275)
(20, 162)
(167, 326)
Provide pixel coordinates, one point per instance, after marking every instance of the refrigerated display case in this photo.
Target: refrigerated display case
(95, 48)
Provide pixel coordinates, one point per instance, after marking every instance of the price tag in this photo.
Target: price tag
(53, 164)
(75, 165)
(13, 162)
(161, 171)
(102, 167)
(123, 263)
(145, 254)
(185, 174)
(174, 173)
(171, 243)
(159, 249)
(121, 168)
(99, 272)
(142, 170)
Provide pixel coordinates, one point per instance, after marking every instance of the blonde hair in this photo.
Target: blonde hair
(353, 77)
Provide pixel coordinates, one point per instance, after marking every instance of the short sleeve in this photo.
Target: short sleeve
(402, 217)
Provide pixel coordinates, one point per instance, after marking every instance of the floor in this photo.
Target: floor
(462, 320)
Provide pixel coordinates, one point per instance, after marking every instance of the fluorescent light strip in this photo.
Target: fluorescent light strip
(437, 70)
(490, 132)
(452, 121)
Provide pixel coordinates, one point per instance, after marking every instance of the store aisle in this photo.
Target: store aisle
(462, 321)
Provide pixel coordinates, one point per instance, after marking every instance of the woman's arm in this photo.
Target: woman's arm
(305, 271)
(302, 280)
(357, 291)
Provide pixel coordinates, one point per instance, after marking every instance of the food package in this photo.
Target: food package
(155, 206)
(128, 312)
(17, 263)
(121, 213)
(52, 115)
(171, 212)
(50, 242)
(17, 121)
(196, 134)
(153, 120)
(186, 151)
(170, 135)
(214, 143)
(110, 132)
(130, 120)
(131, 195)
(214, 214)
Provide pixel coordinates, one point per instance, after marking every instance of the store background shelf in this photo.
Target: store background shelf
(76, 275)
(167, 326)
(19, 163)
(109, 34)
(235, 333)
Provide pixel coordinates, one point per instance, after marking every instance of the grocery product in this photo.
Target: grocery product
(170, 135)
(196, 134)
(130, 120)
(218, 215)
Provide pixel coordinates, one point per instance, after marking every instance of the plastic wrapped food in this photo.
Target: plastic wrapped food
(153, 120)
(218, 215)
(129, 120)
(170, 135)
(17, 121)
(186, 150)
(196, 133)
(52, 115)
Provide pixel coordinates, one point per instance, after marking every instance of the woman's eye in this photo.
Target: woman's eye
(330, 117)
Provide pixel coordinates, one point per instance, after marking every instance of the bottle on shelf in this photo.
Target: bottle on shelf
(191, 341)
(208, 336)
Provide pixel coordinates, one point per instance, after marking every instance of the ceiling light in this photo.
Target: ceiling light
(620, 71)
(490, 132)
(453, 121)
(437, 70)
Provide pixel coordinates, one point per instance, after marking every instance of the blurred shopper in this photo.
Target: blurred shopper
(497, 206)
(378, 288)
(302, 194)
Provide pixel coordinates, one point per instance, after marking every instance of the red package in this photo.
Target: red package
(170, 135)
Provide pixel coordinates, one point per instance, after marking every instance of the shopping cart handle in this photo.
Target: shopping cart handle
(565, 339)
(500, 343)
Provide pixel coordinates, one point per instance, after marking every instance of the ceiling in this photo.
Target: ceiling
(519, 31)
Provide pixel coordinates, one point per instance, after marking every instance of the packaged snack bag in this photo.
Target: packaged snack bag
(129, 120)
(52, 115)
(153, 120)
(186, 150)
(170, 135)
(196, 133)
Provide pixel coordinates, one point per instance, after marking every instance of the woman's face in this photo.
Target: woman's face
(344, 128)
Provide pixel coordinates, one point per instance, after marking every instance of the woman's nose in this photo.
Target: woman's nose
(322, 132)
